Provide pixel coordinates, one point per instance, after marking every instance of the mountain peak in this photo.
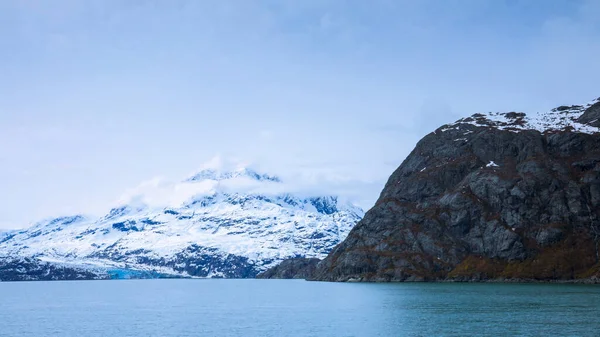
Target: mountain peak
(223, 169)
(591, 115)
(576, 118)
(61, 221)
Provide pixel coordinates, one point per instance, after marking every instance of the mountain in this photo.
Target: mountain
(231, 224)
(496, 196)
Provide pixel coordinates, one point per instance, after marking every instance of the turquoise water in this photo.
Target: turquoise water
(295, 308)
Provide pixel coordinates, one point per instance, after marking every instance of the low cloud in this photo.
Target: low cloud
(159, 192)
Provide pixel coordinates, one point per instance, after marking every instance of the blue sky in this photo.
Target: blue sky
(98, 96)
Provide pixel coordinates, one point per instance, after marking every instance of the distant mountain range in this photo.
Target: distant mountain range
(233, 224)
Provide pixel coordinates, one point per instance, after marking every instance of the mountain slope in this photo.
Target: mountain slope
(233, 224)
(294, 268)
(492, 196)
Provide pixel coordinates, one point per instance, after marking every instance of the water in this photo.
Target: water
(295, 308)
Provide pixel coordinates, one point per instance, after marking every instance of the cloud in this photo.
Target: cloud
(158, 192)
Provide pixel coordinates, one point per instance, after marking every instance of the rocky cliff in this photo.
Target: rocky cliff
(295, 268)
(496, 196)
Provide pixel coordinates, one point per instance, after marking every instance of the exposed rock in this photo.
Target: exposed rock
(447, 214)
(296, 268)
(591, 115)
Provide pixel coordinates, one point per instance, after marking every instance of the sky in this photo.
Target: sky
(98, 97)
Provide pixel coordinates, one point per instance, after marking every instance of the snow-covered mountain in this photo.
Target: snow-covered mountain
(232, 223)
(563, 118)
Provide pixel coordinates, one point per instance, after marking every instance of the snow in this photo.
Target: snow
(244, 213)
(558, 119)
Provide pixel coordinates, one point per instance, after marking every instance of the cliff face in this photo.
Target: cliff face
(296, 268)
(495, 196)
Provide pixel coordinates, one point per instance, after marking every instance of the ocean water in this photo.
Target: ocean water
(295, 308)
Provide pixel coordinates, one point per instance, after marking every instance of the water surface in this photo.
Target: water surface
(295, 308)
